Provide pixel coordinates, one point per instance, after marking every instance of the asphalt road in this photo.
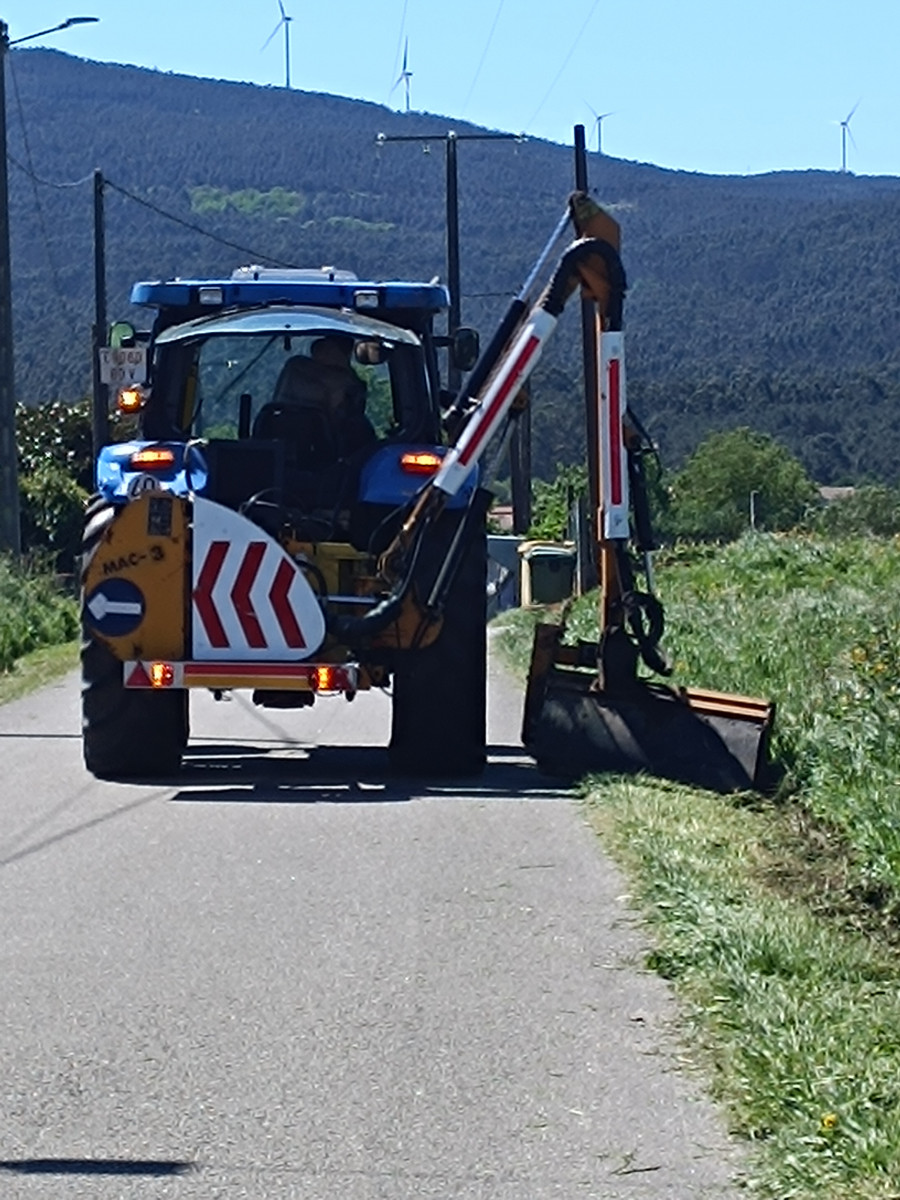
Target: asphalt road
(285, 974)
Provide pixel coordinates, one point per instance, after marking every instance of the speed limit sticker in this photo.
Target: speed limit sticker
(121, 365)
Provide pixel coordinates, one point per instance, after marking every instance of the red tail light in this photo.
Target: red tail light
(152, 458)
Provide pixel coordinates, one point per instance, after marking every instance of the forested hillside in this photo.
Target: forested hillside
(769, 301)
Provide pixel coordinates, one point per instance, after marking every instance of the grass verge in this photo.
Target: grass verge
(36, 669)
(815, 626)
(38, 622)
(795, 1017)
(778, 922)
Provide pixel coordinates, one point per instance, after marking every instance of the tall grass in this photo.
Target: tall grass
(796, 1018)
(760, 913)
(813, 624)
(34, 612)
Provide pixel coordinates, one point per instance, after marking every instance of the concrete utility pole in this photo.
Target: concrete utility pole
(9, 474)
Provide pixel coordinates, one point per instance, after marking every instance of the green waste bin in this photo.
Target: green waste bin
(547, 572)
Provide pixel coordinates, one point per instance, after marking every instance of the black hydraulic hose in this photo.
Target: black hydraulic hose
(644, 614)
(640, 500)
(488, 358)
(472, 519)
(565, 278)
(351, 630)
(507, 327)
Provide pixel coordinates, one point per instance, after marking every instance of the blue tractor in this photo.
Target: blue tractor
(247, 535)
(291, 519)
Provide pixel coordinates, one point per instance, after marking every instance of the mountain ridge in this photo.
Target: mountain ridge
(767, 300)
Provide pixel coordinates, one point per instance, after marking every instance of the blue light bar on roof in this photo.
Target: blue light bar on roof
(247, 293)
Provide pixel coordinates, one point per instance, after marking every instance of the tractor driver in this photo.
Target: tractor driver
(346, 391)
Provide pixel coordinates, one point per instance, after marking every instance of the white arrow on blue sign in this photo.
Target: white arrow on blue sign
(115, 607)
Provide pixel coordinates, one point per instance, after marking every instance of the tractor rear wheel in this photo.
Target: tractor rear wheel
(125, 733)
(439, 702)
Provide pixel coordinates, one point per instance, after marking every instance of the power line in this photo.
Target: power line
(63, 305)
(484, 53)
(46, 182)
(255, 254)
(565, 63)
(213, 237)
(399, 43)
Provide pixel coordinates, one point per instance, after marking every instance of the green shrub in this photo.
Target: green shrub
(56, 435)
(552, 501)
(34, 612)
(870, 509)
(711, 496)
(51, 517)
(56, 471)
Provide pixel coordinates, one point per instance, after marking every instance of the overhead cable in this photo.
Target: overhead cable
(565, 63)
(256, 254)
(50, 183)
(484, 53)
(214, 237)
(65, 311)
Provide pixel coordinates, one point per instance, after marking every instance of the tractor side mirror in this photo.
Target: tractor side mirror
(370, 354)
(465, 347)
(121, 335)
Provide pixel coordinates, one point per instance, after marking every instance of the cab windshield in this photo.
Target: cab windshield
(231, 379)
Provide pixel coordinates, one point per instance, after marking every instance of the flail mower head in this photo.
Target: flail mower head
(587, 709)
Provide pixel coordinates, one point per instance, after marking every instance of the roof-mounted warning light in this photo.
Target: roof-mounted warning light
(365, 298)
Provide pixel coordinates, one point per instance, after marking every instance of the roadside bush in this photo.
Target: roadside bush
(872, 509)
(56, 435)
(551, 502)
(51, 517)
(56, 470)
(33, 613)
(711, 495)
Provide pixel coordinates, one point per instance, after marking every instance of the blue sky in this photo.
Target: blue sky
(719, 86)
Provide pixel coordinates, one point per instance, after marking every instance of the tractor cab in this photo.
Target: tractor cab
(307, 396)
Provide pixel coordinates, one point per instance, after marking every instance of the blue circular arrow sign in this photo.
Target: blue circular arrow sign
(115, 607)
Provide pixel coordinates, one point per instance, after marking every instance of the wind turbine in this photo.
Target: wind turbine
(405, 75)
(286, 22)
(845, 133)
(599, 118)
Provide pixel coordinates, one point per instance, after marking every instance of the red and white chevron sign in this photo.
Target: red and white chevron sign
(250, 601)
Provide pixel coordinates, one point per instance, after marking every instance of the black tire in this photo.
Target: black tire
(125, 734)
(438, 725)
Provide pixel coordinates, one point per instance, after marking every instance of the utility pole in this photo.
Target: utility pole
(451, 140)
(589, 569)
(9, 467)
(9, 472)
(100, 406)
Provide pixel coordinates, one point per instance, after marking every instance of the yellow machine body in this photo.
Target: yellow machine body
(146, 544)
